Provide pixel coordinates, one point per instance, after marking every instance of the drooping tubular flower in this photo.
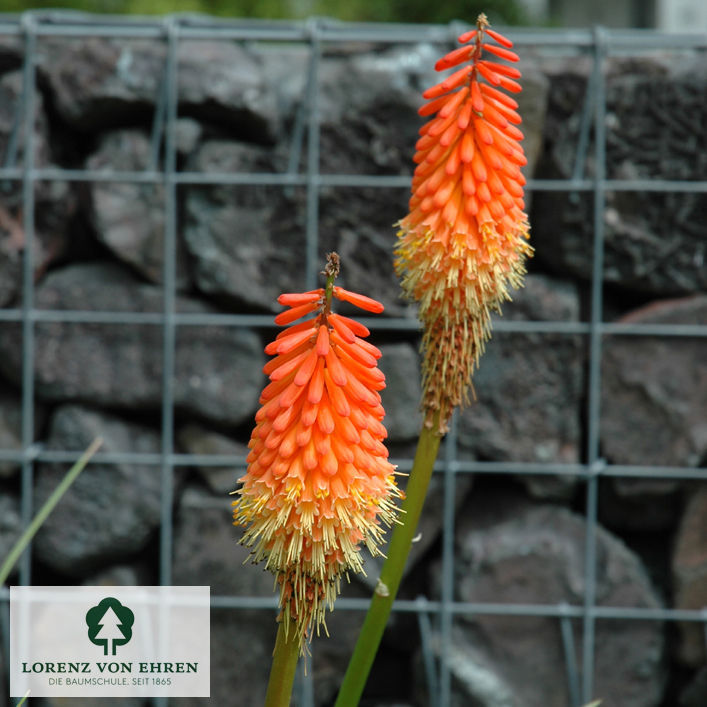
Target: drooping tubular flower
(464, 241)
(318, 482)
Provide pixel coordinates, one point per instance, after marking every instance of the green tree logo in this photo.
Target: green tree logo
(110, 624)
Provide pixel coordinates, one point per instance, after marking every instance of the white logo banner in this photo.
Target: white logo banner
(109, 641)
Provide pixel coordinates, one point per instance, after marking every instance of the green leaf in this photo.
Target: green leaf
(46, 509)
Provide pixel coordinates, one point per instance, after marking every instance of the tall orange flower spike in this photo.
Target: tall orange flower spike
(318, 482)
(465, 238)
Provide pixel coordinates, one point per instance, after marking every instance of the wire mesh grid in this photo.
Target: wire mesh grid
(316, 33)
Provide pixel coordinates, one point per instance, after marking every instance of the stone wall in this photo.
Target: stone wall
(98, 247)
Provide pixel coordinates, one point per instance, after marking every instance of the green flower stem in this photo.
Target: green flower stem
(284, 665)
(24, 699)
(400, 543)
(46, 509)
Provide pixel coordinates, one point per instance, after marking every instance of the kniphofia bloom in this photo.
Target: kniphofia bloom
(318, 483)
(465, 239)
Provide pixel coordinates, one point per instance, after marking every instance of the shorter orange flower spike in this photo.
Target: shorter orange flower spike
(318, 482)
(464, 241)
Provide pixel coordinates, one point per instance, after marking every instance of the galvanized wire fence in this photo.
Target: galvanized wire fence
(439, 614)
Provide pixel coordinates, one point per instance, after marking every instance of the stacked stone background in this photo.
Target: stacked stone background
(518, 538)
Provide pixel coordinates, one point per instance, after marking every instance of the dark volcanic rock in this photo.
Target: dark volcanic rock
(244, 639)
(224, 82)
(111, 510)
(331, 653)
(368, 110)
(359, 224)
(10, 523)
(529, 388)
(217, 370)
(532, 105)
(654, 242)
(640, 504)
(12, 239)
(11, 52)
(248, 243)
(129, 217)
(653, 411)
(206, 548)
(196, 439)
(116, 576)
(401, 396)
(11, 428)
(99, 84)
(654, 390)
(534, 555)
(243, 241)
(187, 135)
(55, 202)
(695, 695)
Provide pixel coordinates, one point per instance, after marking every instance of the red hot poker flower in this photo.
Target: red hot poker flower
(464, 241)
(318, 482)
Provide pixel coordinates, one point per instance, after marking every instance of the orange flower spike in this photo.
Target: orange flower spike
(318, 483)
(464, 242)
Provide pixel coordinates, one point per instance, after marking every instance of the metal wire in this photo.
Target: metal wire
(448, 583)
(599, 43)
(27, 114)
(595, 345)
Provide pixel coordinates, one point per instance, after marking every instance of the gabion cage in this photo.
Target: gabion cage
(433, 615)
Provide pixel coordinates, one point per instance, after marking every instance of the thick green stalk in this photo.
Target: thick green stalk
(284, 665)
(400, 543)
(46, 509)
